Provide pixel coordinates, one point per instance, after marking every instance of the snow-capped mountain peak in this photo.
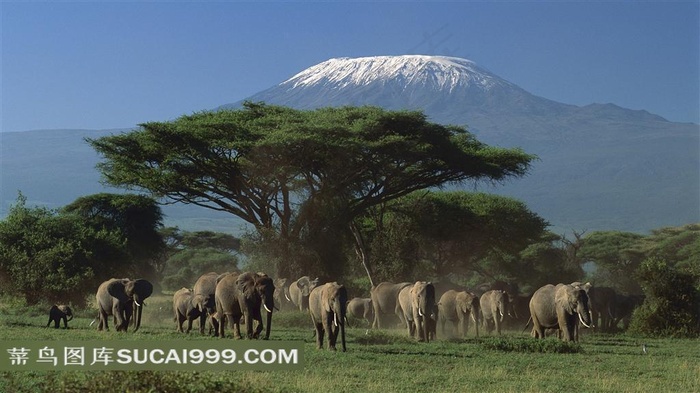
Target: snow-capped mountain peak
(437, 72)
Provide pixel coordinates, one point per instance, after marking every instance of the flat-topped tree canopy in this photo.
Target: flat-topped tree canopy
(269, 164)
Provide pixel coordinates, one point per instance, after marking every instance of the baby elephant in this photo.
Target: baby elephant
(58, 312)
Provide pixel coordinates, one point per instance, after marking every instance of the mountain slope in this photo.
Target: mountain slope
(601, 166)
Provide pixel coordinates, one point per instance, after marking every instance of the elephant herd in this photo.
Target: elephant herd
(229, 298)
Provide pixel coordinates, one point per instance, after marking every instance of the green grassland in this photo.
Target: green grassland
(381, 361)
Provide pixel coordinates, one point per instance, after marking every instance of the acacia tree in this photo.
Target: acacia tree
(617, 256)
(137, 219)
(439, 234)
(295, 173)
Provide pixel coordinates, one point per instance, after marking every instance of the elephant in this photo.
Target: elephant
(205, 286)
(361, 308)
(625, 305)
(242, 295)
(416, 303)
(327, 307)
(214, 322)
(603, 304)
(188, 306)
(443, 286)
(282, 298)
(385, 297)
(299, 292)
(520, 308)
(457, 307)
(60, 312)
(431, 323)
(118, 297)
(494, 303)
(562, 307)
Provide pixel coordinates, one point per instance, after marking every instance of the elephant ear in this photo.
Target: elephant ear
(199, 301)
(566, 298)
(313, 283)
(117, 289)
(327, 298)
(245, 284)
(141, 287)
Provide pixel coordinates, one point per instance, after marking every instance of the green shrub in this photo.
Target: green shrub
(514, 344)
(672, 302)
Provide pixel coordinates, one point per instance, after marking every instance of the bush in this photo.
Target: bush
(531, 345)
(672, 302)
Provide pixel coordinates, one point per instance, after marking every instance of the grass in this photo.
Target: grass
(380, 361)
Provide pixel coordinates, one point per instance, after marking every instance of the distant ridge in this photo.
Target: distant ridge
(601, 166)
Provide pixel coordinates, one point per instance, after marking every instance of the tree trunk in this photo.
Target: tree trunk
(360, 249)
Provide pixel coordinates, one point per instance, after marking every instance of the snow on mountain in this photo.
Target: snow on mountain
(597, 163)
(438, 72)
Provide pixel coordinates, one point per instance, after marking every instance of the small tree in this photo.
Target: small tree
(191, 254)
(672, 302)
(45, 256)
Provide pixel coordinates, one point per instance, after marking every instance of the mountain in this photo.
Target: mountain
(600, 166)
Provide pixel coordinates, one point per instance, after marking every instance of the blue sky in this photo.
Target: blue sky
(102, 65)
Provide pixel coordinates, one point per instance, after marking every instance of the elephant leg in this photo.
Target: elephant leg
(328, 327)
(259, 326)
(319, 335)
(203, 322)
(236, 326)
(189, 324)
(103, 321)
(333, 334)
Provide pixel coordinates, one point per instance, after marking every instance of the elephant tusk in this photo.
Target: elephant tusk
(420, 314)
(137, 303)
(266, 308)
(500, 312)
(335, 320)
(288, 299)
(584, 323)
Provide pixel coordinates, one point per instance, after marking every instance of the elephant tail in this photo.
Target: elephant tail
(527, 324)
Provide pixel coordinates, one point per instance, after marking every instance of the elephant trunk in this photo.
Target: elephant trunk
(269, 323)
(70, 316)
(342, 335)
(584, 323)
(139, 310)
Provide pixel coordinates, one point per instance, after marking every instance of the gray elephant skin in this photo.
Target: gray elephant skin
(60, 312)
(243, 295)
(603, 304)
(206, 286)
(122, 298)
(361, 308)
(559, 307)
(282, 298)
(299, 292)
(187, 307)
(327, 306)
(494, 307)
(385, 301)
(416, 302)
(458, 307)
